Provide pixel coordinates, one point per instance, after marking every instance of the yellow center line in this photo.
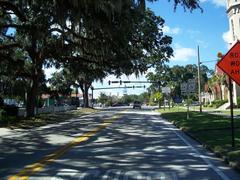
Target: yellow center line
(34, 168)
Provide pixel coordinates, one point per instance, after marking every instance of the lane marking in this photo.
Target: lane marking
(48, 159)
(207, 161)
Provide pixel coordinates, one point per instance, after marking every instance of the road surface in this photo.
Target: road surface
(111, 144)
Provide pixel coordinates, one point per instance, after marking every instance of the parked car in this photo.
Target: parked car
(137, 104)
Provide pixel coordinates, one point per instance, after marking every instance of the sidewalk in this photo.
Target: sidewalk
(214, 111)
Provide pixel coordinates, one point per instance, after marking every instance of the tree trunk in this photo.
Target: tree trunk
(85, 87)
(31, 97)
(86, 100)
(220, 88)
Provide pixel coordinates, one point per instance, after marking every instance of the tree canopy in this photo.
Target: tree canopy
(99, 36)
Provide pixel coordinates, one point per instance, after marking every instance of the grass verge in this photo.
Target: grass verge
(213, 131)
(43, 119)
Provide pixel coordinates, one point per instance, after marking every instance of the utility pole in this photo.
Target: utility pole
(199, 83)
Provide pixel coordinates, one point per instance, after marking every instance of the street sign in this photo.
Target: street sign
(166, 90)
(230, 63)
(184, 87)
(189, 87)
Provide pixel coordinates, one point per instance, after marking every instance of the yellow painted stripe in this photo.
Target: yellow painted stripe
(36, 167)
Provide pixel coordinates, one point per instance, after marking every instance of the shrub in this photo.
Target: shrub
(238, 102)
(2, 114)
(210, 105)
(218, 103)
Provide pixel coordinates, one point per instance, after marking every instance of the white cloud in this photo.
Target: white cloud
(168, 30)
(218, 3)
(183, 53)
(227, 38)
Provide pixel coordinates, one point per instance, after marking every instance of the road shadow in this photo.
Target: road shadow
(137, 146)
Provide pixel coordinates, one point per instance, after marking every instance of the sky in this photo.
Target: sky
(207, 29)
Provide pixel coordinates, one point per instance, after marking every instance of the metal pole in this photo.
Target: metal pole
(92, 97)
(199, 83)
(231, 110)
(188, 106)
(159, 103)
(169, 102)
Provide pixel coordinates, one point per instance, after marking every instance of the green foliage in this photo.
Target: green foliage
(104, 37)
(2, 114)
(127, 99)
(155, 98)
(103, 98)
(234, 155)
(61, 82)
(210, 130)
(238, 102)
(218, 103)
(174, 76)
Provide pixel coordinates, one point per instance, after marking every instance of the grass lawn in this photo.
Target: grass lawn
(43, 119)
(214, 131)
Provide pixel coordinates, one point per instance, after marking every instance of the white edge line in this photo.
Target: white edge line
(208, 162)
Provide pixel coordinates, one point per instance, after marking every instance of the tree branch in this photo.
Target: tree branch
(10, 6)
(9, 46)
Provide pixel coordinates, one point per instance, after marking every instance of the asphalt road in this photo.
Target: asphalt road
(112, 144)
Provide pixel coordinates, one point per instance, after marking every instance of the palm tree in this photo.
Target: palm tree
(217, 80)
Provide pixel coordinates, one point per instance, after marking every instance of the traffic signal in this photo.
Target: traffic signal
(109, 82)
(120, 82)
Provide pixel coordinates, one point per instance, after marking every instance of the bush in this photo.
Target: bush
(238, 102)
(218, 103)
(1, 114)
(210, 105)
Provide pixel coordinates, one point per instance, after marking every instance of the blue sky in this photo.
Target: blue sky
(207, 29)
(189, 30)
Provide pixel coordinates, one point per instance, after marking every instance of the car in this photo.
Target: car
(137, 104)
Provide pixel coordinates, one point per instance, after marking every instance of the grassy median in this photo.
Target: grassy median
(213, 131)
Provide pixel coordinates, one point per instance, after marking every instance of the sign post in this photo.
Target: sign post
(231, 109)
(166, 93)
(187, 89)
(230, 64)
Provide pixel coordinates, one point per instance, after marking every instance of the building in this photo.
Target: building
(233, 11)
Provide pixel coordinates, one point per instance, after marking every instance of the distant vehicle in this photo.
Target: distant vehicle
(117, 104)
(137, 104)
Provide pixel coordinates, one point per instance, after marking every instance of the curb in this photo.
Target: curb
(233, 164)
